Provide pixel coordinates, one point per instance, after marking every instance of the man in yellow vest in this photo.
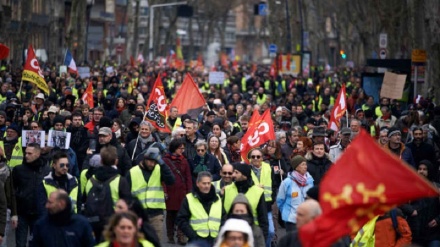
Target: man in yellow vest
(226, 174)
(11, 148)
(201, 213)
(262, 176)
(173, 120)
(145, 181)
(58, 178)
(243, 184)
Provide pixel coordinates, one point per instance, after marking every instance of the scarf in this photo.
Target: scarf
(145, 141)
(199, 164)
(301, 180)
(118, 133)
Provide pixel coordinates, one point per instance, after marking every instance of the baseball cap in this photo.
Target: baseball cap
(40, 96)
(105, 131)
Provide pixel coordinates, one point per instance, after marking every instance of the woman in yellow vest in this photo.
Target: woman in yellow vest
(122, 230)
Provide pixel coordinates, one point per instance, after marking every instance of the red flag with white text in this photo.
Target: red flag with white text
(87, 96)
(259, 132)
(157, 107)
(338, 110)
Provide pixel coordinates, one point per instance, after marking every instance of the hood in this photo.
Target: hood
(235, 225)
(133, 122)
(106, 172)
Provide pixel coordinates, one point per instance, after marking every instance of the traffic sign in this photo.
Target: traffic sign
(273, 48)
(383, 53)
(418, 56)
(119, 49)
(383, 40)
(262, 9)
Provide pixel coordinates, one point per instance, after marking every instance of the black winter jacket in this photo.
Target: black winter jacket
(27, 178)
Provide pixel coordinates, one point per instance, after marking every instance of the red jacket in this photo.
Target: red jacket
(183, 184)
(386, 235)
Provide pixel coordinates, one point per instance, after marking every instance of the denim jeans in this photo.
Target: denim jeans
(271, 229)
(25, 226)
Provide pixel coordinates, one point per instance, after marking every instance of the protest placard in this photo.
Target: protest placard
(216, 77)
(393, 85)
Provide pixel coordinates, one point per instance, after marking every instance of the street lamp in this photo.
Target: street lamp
(289, 32)
(150, 38)
(90, 3)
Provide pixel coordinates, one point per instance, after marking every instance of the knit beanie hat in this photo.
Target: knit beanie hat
(240, 198)
(296, 161)
(105, 122)
(58, 119)
(392, 131)
(245, 169)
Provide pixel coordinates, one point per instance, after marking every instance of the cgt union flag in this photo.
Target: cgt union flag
(360, 186)
(260, 131)
(87, 97)
(338, 110)
(32, 71)
(157, 107)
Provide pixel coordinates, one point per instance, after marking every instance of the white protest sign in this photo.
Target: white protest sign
(32, 136)
(216, 77)
(84, 72)
(393, 85)
(63, 69)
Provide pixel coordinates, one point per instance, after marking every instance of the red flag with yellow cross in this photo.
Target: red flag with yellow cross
(365, 182)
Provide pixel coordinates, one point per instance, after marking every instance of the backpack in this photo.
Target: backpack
(99, 203)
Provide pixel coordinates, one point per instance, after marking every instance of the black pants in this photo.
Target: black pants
(290, 227)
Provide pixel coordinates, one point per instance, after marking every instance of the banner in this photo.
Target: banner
(32, 71)
(157, 107)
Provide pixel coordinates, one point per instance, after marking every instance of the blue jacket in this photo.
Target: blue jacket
(67, 230)
(290, 195)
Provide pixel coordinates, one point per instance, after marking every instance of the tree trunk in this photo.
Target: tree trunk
(130, 31)
(134, 49)
(21, 40)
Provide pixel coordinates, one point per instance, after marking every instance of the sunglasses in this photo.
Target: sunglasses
(256, 157)
(227, 173)
(62, 165)
(201, 150)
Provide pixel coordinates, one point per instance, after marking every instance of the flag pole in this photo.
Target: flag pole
(19, 91)
(346, 113)
(65, 55)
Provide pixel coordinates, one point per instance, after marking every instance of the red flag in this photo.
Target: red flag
(254, 118)
(254, 68)
(32, 71)
(224, 60)
(132, 63)
(4, 51)
(157, 107)
(188, 99)
(259, 132)
(235, 65)
(365, 181)
(87, 97)
(338, 110)
(288, 60)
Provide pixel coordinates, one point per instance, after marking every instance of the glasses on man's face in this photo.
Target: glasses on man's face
(255, 157)
(34, 127)
(227, 173)
(62, 165)
(200, 150)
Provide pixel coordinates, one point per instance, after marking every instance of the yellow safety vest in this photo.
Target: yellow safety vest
(373, 130)
(170, 84)
(178, 123)
(73, 193)
(217, 186)
(365, 237)
(114, 188)
(260, 101)
(378, 112)
(17, 154)
(265, 180)
(203, 224)
(83, 181)
(267, 85)
(283, 87)
(243, 84)
(150, 194)
(253, 195)
(144, 243)
(3, 98)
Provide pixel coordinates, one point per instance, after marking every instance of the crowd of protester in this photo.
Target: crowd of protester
(121, 180)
